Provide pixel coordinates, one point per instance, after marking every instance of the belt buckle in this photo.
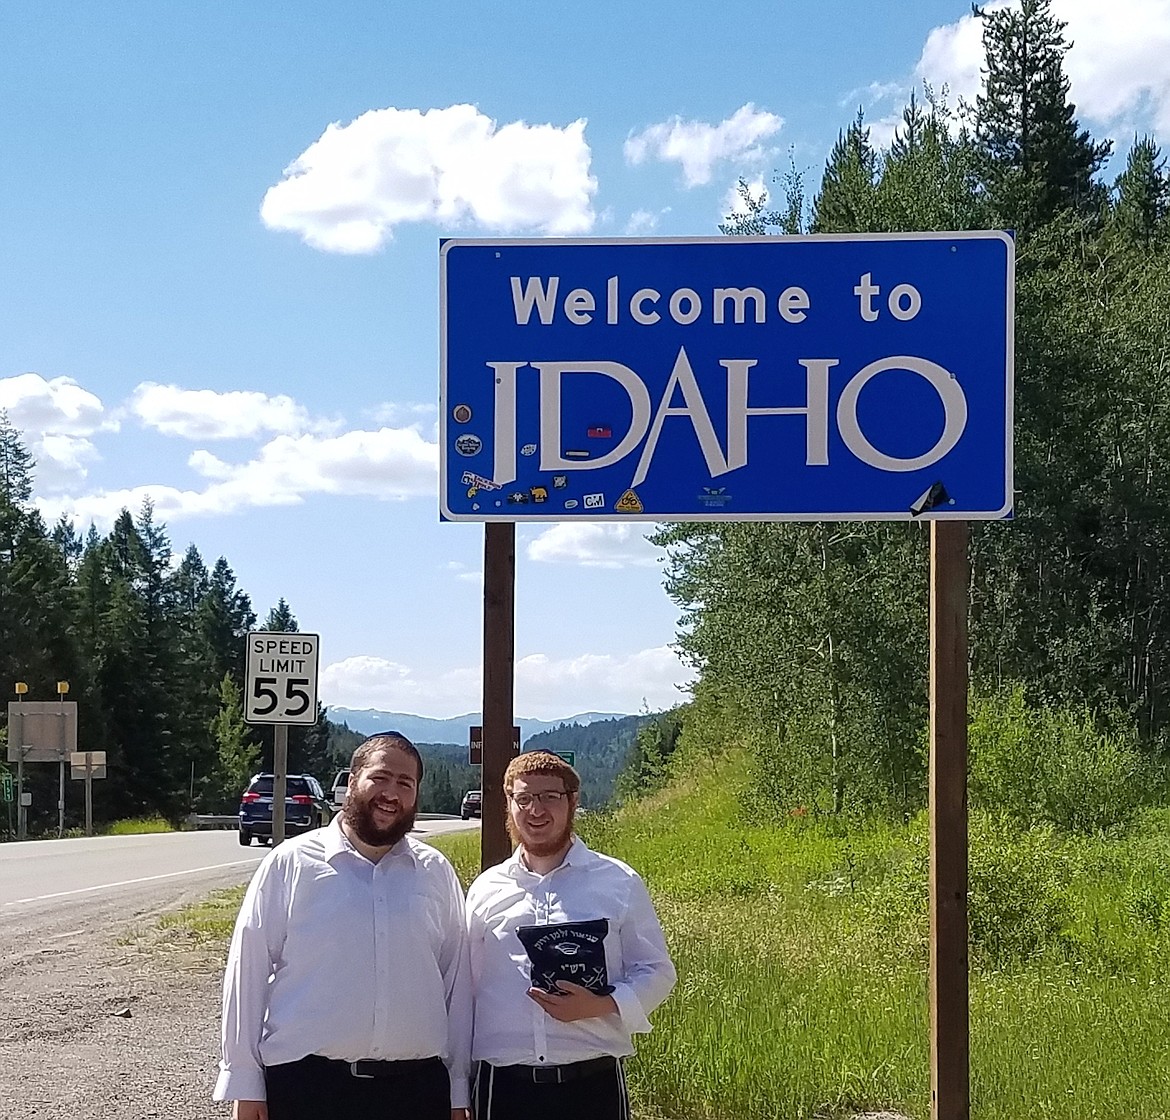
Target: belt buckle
(355, 1072)
(546, 1075)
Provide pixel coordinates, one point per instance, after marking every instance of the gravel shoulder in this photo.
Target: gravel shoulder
(104, 1015)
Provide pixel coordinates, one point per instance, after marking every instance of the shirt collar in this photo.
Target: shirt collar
(576, 856)
(335, 842)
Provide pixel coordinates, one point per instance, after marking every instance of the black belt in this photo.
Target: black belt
(554, 1075)
(369, 1067)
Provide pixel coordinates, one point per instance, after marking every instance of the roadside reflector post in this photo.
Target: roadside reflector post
(949, 1007)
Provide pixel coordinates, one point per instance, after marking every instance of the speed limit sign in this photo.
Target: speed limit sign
(281, 684)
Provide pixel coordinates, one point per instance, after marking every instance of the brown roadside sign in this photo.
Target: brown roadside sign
(475, 744)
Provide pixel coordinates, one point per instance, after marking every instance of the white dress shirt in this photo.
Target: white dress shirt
(338, 956)
(512, 1029)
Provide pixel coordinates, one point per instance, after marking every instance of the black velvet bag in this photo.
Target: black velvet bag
(572, 951)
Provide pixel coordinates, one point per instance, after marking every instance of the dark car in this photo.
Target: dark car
(472, 804)
(305, 807)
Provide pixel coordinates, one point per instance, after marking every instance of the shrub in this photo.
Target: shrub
(1017, 901)
(1055, 766)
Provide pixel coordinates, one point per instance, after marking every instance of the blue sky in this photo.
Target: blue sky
(220, 229)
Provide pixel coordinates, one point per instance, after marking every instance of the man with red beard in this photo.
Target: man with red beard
(567, 961)
(347, 990)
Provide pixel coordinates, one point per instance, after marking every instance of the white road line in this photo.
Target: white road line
(130, 882)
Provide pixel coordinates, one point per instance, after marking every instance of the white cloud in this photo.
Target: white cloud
(463, 573)
(403, 414)
(390, 464)
(61, 461)
(37, 406)
(350, 187)
(644, 221)
(55, 419)
(601, 682)
(595, 545)
(545, 687)
(1117, 65)
(698, 146)
(199, 414)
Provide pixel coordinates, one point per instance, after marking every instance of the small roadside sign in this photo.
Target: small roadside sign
(475, 744)
(569, 756)
(6, 787)
(87, 764)
(281, 680)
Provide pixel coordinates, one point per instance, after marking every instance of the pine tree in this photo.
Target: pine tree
(281, 619)
(1140, 214)
(16, 464)
(847, 199)
(1037, 162)
(237, 756)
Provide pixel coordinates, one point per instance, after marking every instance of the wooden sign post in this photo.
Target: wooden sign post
(949, 1012)
(499, 629)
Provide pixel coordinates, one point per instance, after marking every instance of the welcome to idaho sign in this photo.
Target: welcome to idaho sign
(785, 378)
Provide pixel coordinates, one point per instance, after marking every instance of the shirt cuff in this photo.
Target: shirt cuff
(630, 1009)
(460, 1092)
(240, 1085)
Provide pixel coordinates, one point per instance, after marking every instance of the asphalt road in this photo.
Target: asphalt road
(61, 874)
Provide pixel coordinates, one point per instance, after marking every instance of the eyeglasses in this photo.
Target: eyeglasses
(552, 798)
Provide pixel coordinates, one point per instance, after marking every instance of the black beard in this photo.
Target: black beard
(360, 817)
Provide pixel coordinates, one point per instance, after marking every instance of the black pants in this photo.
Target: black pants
(499, 1094)
(319, 1089)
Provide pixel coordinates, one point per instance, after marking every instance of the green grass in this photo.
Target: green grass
(801, 951)
(209, 920)
(802, 954)
(138, 826)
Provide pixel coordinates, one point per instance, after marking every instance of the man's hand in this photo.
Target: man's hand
(573, 1002)
(460, 1114)
(251, 1110)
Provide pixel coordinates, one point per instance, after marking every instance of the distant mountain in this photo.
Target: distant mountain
(421, 729)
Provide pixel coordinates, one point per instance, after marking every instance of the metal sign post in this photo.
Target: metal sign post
(280, 688)
(62, 746)
(86, 766)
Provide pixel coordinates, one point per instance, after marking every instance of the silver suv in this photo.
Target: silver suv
(340, 785)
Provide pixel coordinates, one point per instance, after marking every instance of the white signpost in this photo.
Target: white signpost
(280, 688)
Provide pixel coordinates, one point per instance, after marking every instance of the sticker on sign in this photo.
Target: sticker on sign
(281, 682)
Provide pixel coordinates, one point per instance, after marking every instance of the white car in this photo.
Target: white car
(340, 785)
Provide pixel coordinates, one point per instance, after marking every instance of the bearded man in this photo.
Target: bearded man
(347, 992)
(567, 961)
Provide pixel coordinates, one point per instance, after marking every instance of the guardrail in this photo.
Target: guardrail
(225, 820)
(211, 820)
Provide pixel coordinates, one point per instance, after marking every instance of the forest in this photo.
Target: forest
(811, 640)
(153, 649)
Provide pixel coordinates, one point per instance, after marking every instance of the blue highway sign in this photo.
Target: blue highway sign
(779, 378)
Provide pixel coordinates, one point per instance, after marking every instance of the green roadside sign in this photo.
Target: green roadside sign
(569, 756)
(6, 787)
